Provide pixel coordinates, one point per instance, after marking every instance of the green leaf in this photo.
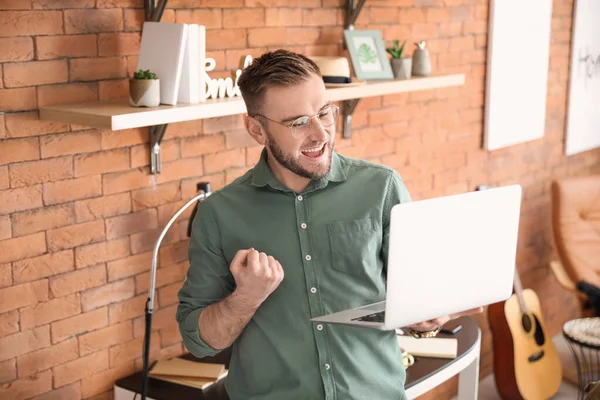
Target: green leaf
(366, 54)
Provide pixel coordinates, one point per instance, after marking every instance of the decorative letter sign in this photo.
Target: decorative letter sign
(221, 88)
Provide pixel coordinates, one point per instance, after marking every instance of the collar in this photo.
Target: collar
(263, 176)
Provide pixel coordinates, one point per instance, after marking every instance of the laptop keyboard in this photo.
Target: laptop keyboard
(375, 317)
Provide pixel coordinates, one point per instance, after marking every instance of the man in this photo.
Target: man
(302, 234)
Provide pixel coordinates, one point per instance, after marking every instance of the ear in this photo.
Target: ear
(255, 130)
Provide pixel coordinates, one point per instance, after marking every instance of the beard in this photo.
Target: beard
(292, 164)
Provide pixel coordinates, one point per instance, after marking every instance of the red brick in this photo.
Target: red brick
(124, 138)
(381, 15)
(102, 207)
(105, 337)
(133, 20)
(40, 219)
(164, 276)
(104, 381)
(16, 49)
(131, 223)
(22, 247)
(117, 4)
(273, 36)
(319, 17)
(161, 319)
(100, 162)
(26, 388)
(211, 18)
(72, 189)
(91, 69)
(166, 212)
(18, 99)
(244, 17)
(140, 154)
(177, 170)
(70, 143)
(167, 295)
(93, 21)
(173, 254)
(118, 44)
(218, 39)
(24, 342)
(170, 336)
(29, 124)
(196, 146)
(5, 227)
(107, 294)
(124, 181)
(79, 324)
(43, 266)
(15, 5)
(97, 253)
(75, 235)
(9, 323)
(76, 281)
(58, 4)
(72, 46)
(8, 371)
(462, 43)
(5, 275)
(50, 311)
(130, 350)
(67, 93)
(30, 23)
(127, 309)
(82, 367)
(2, 119)
(31, 173)
(113, 89)
(152, 197)
(425, 30)
(283, 17)
(145, 241)
(32, 73)
(43, 359)
(70, 392)
(217, 162)
(129, 266)
(18, 150)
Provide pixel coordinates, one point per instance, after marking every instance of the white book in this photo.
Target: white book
(429, 347)
(161, 51)
(188, 87)
(201, 63)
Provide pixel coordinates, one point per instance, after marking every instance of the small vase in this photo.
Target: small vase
(402, 67)
(144, 92)
(421, 64)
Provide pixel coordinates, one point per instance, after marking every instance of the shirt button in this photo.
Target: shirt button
(313, 290)
(319, 327)
(308, 257)
(327, 366)
(303, 225)
(300, 198)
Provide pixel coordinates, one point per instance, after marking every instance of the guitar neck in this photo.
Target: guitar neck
(519, 291)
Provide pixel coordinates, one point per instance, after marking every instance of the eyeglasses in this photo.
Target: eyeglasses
(302, 126)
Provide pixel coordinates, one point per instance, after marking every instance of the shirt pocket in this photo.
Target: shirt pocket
(355, 246)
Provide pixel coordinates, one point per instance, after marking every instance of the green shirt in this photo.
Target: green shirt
(331, 241)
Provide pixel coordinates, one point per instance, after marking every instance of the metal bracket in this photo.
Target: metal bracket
(348, 110)
(352, 12)
(156, 133)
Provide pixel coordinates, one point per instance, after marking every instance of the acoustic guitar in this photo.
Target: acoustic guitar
(526, 363)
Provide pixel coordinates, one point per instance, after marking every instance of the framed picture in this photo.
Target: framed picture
(368, 54)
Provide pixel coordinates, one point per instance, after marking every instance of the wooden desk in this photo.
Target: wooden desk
(424, 375)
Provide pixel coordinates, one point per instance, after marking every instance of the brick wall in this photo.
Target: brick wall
(79, 211)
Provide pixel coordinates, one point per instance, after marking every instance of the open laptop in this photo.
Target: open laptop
(446, 255)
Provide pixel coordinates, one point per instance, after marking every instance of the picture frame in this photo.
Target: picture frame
(368, 54)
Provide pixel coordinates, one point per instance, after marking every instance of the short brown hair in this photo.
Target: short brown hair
(275, 68)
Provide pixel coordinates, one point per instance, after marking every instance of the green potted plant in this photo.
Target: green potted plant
(401, 66)
(144, 89)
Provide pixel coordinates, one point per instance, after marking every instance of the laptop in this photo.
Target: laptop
(446, 255)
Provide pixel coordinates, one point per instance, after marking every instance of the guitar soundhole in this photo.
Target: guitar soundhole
(526, 322)
(539, 334)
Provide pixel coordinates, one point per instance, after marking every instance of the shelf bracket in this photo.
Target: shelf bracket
(348, 110)
(156, 136)
(352, 12)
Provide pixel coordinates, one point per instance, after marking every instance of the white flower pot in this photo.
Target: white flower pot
(144, 92)
(402, 67)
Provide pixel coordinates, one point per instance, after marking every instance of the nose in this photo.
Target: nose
(318, 133)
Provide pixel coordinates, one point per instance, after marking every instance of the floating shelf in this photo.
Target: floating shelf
(118, 114)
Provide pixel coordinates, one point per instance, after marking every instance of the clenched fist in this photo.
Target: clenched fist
(256, 275)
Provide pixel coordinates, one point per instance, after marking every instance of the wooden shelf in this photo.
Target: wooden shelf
(118, 114)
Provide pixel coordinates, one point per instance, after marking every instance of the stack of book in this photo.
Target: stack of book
(190, 373)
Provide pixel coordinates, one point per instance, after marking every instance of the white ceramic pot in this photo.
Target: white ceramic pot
(402, 67)
(144, 92)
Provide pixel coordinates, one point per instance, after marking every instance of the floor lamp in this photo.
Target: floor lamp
(203, 192)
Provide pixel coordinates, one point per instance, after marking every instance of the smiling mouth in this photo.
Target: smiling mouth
(314, 153)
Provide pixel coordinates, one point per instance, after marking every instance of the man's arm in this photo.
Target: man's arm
(256, 275)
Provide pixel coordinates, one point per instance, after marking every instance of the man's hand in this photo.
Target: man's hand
(256, 275)
(433, 324)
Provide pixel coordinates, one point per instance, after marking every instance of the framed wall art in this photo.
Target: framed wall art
(368, 55)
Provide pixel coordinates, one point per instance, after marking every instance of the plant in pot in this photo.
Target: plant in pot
(401, 66)
(144, 89)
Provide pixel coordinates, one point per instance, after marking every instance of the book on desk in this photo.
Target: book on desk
(190, 373)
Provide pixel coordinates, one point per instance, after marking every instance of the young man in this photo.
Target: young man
(302, 234)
